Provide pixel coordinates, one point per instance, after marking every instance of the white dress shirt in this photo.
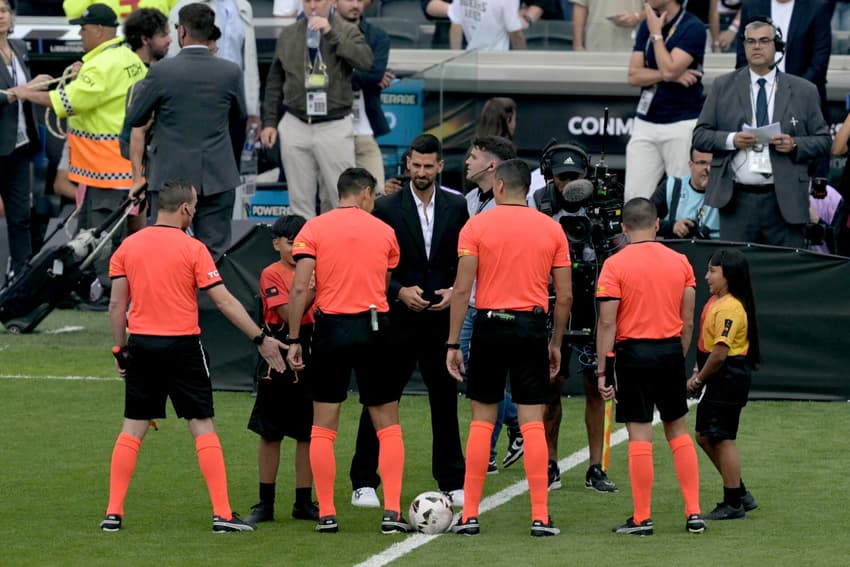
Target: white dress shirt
(740, 163)
(426, 218)
(780, 13)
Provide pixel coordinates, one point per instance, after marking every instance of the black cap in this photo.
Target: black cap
(98, 15)
(564, 161)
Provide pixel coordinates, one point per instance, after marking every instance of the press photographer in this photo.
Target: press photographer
(589, 212)
(680, 203)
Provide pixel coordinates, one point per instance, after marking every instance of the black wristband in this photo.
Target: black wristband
(258, 340)
(452, 346)
(292, 341)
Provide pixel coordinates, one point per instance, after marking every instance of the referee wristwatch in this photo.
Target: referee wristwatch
(292, 340)
(452, 346)
(258, 340)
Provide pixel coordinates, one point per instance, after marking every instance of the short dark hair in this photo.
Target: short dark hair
(198, 20)
(515, 174)
(639, 214)
(497, 146)
(427, 144)
(144, 22)
(172, 194)
(353, 180)
(288, 226)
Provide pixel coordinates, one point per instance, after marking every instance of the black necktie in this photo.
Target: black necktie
(761, 104)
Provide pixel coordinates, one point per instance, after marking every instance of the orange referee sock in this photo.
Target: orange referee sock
(477, 459)
(687, 469)
(391, 465)
(642, 474)
(124, 456)
(536, 460)
(323, 464)
(211, 461)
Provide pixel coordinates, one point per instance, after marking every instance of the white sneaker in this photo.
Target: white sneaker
(365, 497)
(456, 496)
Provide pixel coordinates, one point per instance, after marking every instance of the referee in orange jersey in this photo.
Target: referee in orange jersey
(352, 253)
(646, 317)
(511, 250)
(161, 268)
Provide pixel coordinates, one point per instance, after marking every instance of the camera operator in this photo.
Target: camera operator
(680, 203)
(565, 168)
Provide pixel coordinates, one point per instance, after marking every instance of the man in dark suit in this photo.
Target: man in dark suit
(761, 189)
(807, 36)
(18, 143)
(194, 98)
(427, 222)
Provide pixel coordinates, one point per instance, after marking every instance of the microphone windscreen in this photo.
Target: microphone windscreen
(577, 191)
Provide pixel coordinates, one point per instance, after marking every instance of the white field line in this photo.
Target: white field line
(413, 542)
(28, 377)
(65, 329)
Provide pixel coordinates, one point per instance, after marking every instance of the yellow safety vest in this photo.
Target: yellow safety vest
(94, 104)
(75, 8)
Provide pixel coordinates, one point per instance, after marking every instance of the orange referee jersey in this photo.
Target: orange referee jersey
(353, 252)
(517, 247)
(275, 283)
(164, 267)
(649, 279)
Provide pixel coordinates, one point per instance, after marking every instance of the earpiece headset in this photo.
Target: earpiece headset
(552, 148)
(778, 39)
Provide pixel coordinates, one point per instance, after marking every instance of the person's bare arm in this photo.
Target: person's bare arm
(687, 312)
(579, 21)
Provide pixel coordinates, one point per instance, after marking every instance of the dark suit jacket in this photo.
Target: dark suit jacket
(795, 107)
(9, 112)
(414, 268)
(368, 81)
(808, 42)
(194, 96)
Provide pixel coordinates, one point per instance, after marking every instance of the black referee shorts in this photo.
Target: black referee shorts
(167, 367)
(283, 407)
(519, 348)
(342, 343)
(650, 374)
(726, 393)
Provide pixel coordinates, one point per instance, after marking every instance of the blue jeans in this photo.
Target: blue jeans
(507, 408)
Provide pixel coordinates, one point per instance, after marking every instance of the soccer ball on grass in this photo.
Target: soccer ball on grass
(431, 513)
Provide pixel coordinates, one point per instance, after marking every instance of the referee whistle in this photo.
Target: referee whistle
(373, 317)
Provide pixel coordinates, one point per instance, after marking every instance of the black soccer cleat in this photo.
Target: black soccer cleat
(111, 523)
(305, 511)
(394, 523)
(695, 524)
(724, 511)
(539, 529)
(234, 524)
(554, 476)
(468, 528)
(630, 527)
(749, 502)
(597, 480)
(327, 525)
(261, 512)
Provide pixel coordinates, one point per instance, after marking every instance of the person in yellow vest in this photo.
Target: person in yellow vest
(94, 104)
(75, 8)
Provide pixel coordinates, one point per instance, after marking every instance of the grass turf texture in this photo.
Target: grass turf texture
(56, 438)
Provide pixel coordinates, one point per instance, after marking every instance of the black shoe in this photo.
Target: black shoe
(101, 304)
(539, 529)
(327, 525)
(630, 527)
(515, 450)
(597, 480)
(695, 524)
(554, 476)
(468, 528)
(305, 511)
(492, 468)
(724, 511)
(261, 512)
(748, 502)
(394, 523)
(111, 523)
(234, 524)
